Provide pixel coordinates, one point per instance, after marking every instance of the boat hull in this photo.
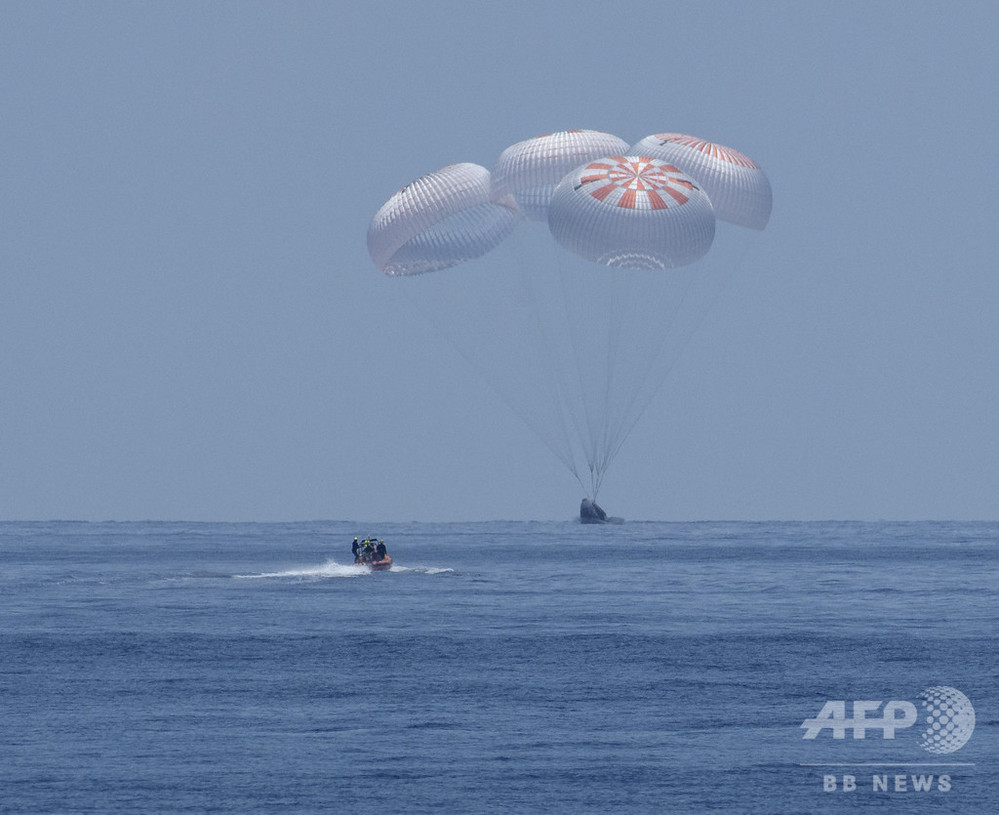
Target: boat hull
(375, 565)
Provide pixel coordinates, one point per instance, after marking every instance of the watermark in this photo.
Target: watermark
(941, 724)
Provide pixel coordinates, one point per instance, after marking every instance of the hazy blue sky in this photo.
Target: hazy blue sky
(191, 328)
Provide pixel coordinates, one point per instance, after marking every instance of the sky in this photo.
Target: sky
(191, 327)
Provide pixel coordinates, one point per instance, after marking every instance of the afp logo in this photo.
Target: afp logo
(947, 724)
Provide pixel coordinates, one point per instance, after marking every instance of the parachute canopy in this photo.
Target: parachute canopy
(738, 188)
(632, 212)
(440, 220)
(530, 170)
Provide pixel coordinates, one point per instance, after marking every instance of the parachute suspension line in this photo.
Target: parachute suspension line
(434, 289)
(632, 326)
(559, 454)
(668, 290)
(618, 312)
(717, 276)
(546, 350)
(630, 316)
(659, 295)
(583, 417)
(611, 320)
(614, 316)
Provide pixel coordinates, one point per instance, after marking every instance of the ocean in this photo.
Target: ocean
(499, 667)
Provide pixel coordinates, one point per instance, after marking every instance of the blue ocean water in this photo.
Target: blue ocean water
(497, 668)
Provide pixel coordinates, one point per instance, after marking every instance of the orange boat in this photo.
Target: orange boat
(377, 565)
(371, 552)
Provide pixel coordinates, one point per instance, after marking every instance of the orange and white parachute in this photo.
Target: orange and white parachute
(737, 186)
(632, 212)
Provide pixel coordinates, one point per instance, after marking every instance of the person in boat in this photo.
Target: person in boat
(367, 550)
(380, 550)
(354, 547)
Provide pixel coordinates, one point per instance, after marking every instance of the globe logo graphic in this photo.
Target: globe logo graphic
(950, 719)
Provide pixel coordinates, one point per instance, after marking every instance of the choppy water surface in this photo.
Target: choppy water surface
(498, 667)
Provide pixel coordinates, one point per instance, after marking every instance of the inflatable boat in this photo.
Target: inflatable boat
(376, 565)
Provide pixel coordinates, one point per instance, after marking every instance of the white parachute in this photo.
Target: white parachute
(438, 221)
(602, 260)
(529, 171)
